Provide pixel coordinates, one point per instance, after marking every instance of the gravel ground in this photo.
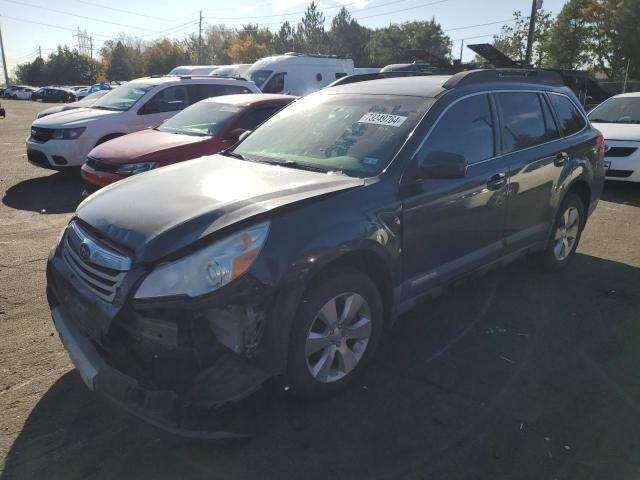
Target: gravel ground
(518, 374)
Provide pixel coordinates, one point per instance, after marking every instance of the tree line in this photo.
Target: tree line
(596, 35)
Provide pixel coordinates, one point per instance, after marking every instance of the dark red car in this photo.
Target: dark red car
(205, 128)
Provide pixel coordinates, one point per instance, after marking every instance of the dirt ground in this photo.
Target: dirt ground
(518, 374)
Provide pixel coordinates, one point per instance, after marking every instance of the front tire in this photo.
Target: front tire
(335, 334)
(566, 233)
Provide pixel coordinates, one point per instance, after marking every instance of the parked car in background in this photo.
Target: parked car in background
(64, 139)
(209, 126)
(297, 74)
(77, 88)
(8, 91)
(22, 93)
(83, 92)
(618, 118)
(194, 69)
(293, 252)
(236, 70)
(54, 95)
(85, 102)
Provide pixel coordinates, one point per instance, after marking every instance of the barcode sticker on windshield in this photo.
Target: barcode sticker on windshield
(382, 119)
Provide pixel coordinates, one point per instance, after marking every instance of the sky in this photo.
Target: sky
(29, 24)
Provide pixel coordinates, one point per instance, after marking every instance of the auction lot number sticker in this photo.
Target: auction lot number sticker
(382, 119)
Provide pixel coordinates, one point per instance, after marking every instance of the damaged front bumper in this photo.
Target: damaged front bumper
(161, 408)
(180, 367)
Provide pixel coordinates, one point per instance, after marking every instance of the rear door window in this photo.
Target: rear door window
(207, 90)
(523, 120)
(571, 121)
(465, 129)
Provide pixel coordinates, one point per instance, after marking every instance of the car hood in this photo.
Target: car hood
(50, 110)
(73, 118)
(163, 211)
(139, 144)
(619, 131)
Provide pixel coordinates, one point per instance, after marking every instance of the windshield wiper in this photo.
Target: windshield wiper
(100, 107)
(229, 153)
(298, 165)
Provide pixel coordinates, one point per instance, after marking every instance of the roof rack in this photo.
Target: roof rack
(529, 75)
(364, 77)
(213, 75)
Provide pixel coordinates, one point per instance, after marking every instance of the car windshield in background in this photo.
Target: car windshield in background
(202, 119)
(123, 97)
(617, 110)
(355, 134)
(260, 76)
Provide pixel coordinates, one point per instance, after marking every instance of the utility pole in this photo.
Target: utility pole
(626, 77)
(91, 47)
(200, 40)
(4, 61)
(535, 5)
(461, 48)
(39, 51)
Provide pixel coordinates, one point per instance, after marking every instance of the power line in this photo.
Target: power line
(62, 12)
(477, 36)
(49, 25)
(508, 20)
(398, 11)
(124, 11)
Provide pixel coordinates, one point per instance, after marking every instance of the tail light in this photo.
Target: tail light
(600, 140)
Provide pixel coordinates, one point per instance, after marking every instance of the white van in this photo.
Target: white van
(235, 70)
(297, 74)
(194, 70)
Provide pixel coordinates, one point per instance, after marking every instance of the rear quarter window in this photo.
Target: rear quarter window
(570, 118)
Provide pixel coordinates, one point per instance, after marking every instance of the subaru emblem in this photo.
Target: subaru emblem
(85, 253)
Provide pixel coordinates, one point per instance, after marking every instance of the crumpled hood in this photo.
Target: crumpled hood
(619, 131)
(162, 211)
(77, 117)
(139, 144)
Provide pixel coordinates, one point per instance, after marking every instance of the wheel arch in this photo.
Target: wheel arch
(581, 188)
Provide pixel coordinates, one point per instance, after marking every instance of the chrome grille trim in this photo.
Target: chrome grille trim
(96, 271)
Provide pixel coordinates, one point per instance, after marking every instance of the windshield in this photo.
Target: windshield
(202, 119)
(617, 110)
(123, 97)
(355, 134)
(260, 76)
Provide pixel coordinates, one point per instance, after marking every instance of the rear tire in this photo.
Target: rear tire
(565, 235)
(335, 334)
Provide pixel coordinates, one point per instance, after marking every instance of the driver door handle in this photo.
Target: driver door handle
(498, 181)
(561, 159)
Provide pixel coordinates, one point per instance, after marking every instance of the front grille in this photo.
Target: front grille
(100, 268)
(619, 151)
(101, 166)
(41, 135)
(619, 173)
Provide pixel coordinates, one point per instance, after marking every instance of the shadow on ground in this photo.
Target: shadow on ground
(60, 192)
(627, 193)
(517, 374)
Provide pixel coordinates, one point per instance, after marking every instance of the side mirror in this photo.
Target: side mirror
(442, 165)
(238, 133)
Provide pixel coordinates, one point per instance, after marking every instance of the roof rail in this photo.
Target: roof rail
(213, 75)
(529, 75)
(364, 77)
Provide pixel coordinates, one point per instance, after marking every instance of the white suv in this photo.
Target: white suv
(64, 139)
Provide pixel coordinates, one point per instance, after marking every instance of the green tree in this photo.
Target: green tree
(284, 40)
(348, 38)
(32, 73)
(310, 36)
(162, 56)
(569, 37)
(216, 40)
(392, 44)
(513, 39)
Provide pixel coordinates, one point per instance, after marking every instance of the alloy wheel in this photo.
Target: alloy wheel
(566, 233)
(338, 337)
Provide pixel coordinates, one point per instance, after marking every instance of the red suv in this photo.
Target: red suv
(205, 128)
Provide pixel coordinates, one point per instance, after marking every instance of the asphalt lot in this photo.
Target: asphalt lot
(518, 374)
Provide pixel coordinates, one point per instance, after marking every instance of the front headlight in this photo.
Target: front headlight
(208, 269)
(135, 168)
(68, 133)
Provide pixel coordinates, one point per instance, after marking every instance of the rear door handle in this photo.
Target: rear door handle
(498, 181)
(561, 159)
